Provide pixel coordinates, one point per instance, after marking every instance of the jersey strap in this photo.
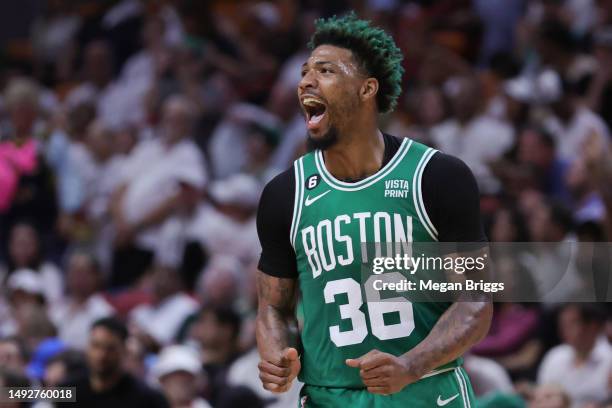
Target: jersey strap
(298, 167)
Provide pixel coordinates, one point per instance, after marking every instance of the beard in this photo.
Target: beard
(324, 142)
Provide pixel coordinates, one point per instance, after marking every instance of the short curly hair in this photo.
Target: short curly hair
(372, 47)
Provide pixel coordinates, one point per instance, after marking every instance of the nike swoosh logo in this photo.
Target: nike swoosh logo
(442, 402)
(309, 200)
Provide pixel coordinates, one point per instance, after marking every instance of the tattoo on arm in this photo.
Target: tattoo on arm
(276, 323)
(461, 326)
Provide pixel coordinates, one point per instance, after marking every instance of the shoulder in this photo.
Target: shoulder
(557, 355)
(281, 185)
(277, 200)
(442, 165)
(555, 362)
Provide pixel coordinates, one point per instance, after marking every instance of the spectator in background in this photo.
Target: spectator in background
(150, 191)
(13, 354)
(10, 378)
(552, 266)
(67, 155)
(216, 331)
(260, 145)
(97, 75)
(23, 291)
(25, 252)
(512, 340)
(42, 355)
(583, 363)
(221, 281)
(64, 366)
(599, 94)
(83, 304)
(230, 135)
(487, 376)
(550, 396)
(26, 185)
(107, 384)
(572, 122)
(470, 134)
(158, 323)
(179, 372)
(537, 153)
(586, 201)
(227, 227)
(425, 108)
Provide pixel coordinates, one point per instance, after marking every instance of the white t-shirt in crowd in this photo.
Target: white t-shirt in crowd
(222, 235)
(586, 383)
(570, 138)
(487, 375)
(162, 321)
(74, 321)
(482, 140)
(153, 173)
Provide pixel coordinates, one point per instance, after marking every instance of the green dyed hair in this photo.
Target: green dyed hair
(373, 49)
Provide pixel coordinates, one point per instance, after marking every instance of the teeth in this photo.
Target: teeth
(311, 101)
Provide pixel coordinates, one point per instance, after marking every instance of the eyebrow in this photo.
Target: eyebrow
(319, 63)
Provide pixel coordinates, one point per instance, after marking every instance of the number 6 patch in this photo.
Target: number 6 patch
(313, 181)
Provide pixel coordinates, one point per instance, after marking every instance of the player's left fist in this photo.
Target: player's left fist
(383, 373)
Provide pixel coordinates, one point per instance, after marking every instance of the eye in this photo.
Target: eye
(326, 71)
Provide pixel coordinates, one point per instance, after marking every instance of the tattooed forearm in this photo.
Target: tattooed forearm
(459, 328)
(276, 324)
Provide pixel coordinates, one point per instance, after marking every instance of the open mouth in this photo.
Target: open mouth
(315, 110)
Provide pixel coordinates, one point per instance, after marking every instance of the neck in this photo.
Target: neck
(357, 156)
(100, 384)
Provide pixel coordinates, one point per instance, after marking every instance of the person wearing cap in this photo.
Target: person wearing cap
(227, 227)
(25, 287)
(24, 290)
(179, 373)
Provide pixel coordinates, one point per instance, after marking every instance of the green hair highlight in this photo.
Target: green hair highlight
(373, 49)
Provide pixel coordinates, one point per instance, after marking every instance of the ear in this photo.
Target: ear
(369, 89)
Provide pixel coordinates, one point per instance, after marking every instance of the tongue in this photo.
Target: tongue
(315, 119)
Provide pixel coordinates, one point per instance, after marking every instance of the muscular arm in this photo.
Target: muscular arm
(455, 210)
(276, 326)
(276, 330)
(462, 325)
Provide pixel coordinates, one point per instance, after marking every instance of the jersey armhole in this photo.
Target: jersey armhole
(417, 194)
(298, 167)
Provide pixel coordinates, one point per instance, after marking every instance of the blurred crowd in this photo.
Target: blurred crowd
(136, 137)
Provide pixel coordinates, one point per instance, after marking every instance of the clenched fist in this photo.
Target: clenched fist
(383, 373)
(277, 376)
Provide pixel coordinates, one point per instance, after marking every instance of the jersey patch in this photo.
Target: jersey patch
(312, 181)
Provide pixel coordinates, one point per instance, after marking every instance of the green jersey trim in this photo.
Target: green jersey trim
(418, 195)
(299, 195)
(463, 388)
(368, 181)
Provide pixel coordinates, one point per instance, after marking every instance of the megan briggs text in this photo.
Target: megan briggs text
(404, 285)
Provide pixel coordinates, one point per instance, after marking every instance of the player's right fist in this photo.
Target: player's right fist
(277, 376)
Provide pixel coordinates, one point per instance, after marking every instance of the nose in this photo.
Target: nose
(308, 81)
